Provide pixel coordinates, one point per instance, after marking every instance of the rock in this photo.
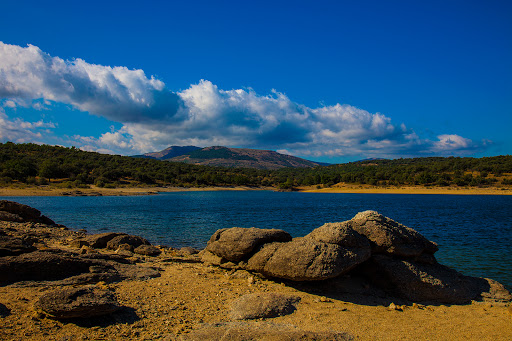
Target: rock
(210, 258)
(113, 244)
(4, 311)
(510, 309)
(327, 252)
(100, 240)
(252, 331)
(147, 250)
(26, 213)
(40, 266)
(11, 246)
(419, 282)
(125, 247)
(6, 216)
(236, 243)
(263, 305)
(82, 302)
(390, 237)
(495, 292)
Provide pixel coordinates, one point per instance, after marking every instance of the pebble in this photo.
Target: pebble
(393, 306)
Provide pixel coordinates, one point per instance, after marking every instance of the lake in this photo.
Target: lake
(474, 232)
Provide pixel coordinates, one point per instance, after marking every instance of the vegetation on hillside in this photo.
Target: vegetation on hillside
(71, 167)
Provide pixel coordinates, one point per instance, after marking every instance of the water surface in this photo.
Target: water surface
(474, 232)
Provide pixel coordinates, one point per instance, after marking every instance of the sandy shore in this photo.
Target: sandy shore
(98, 191)
(408, 190)
(122, 191)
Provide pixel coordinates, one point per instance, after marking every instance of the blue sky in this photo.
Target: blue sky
(331, 81)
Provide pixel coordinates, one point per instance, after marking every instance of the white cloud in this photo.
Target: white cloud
(154, 117)
(20, 131)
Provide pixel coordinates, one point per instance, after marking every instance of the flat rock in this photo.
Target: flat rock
(327, 252)
(419, 282)
(390, 237)
(147, 250)
(81, 302)
(11, 246)
(251, 331)
(41, 266)
(235, 243)
(263, 305)
(114, 243)
(99, 240)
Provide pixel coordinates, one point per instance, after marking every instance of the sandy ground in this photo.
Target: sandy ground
(347, 188)
(339, 188)
(189, 294)
(97, 191)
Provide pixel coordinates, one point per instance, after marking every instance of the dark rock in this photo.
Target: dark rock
(390, 237)
(113, 244)
(125, 247)
(11, 246)
(236, 243)
(100, 240)
(26, 213)
(4, 311)
(252, 331)
(328, 251)
(82, 302)
(420, 282)
(6, 216)
(262, 305)
(188, 251)
(147, 250)
(41, 266)
(107, 257)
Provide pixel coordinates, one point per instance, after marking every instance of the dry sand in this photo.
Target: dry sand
(339, 188)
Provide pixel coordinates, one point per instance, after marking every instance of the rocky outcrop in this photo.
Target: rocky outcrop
(134, 241)
(263, 305)
(147, 250)
(390, 237)
(41, 266)
(307, 259)
(13, 211)
(394, 258)
(11, 246)
(82, 302)
(98, 241)
(236, 243)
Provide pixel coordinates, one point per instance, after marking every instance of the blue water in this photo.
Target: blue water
(474, 232)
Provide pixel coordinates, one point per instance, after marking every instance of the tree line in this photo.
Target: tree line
(70, 167)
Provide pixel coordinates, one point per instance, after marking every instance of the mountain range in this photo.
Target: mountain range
(231, 157)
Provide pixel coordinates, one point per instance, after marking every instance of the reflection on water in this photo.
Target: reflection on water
(474, 233)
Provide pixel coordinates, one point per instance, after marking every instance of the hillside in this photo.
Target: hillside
(172, 151)
(243, 158)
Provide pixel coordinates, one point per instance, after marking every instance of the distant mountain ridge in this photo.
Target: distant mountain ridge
(232, 157)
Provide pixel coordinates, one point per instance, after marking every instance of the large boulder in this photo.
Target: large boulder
(235, 243)
(327, 252)
(263, 305)
(390, 237)
(419, 282)
(82, 302)
(134, 241)
(13, 211)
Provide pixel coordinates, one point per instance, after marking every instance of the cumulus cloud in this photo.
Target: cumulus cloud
(20, 131)
(154, 117)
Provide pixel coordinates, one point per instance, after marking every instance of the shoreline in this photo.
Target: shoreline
(340, 188)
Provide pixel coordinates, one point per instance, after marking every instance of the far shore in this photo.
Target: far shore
(339, 188)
